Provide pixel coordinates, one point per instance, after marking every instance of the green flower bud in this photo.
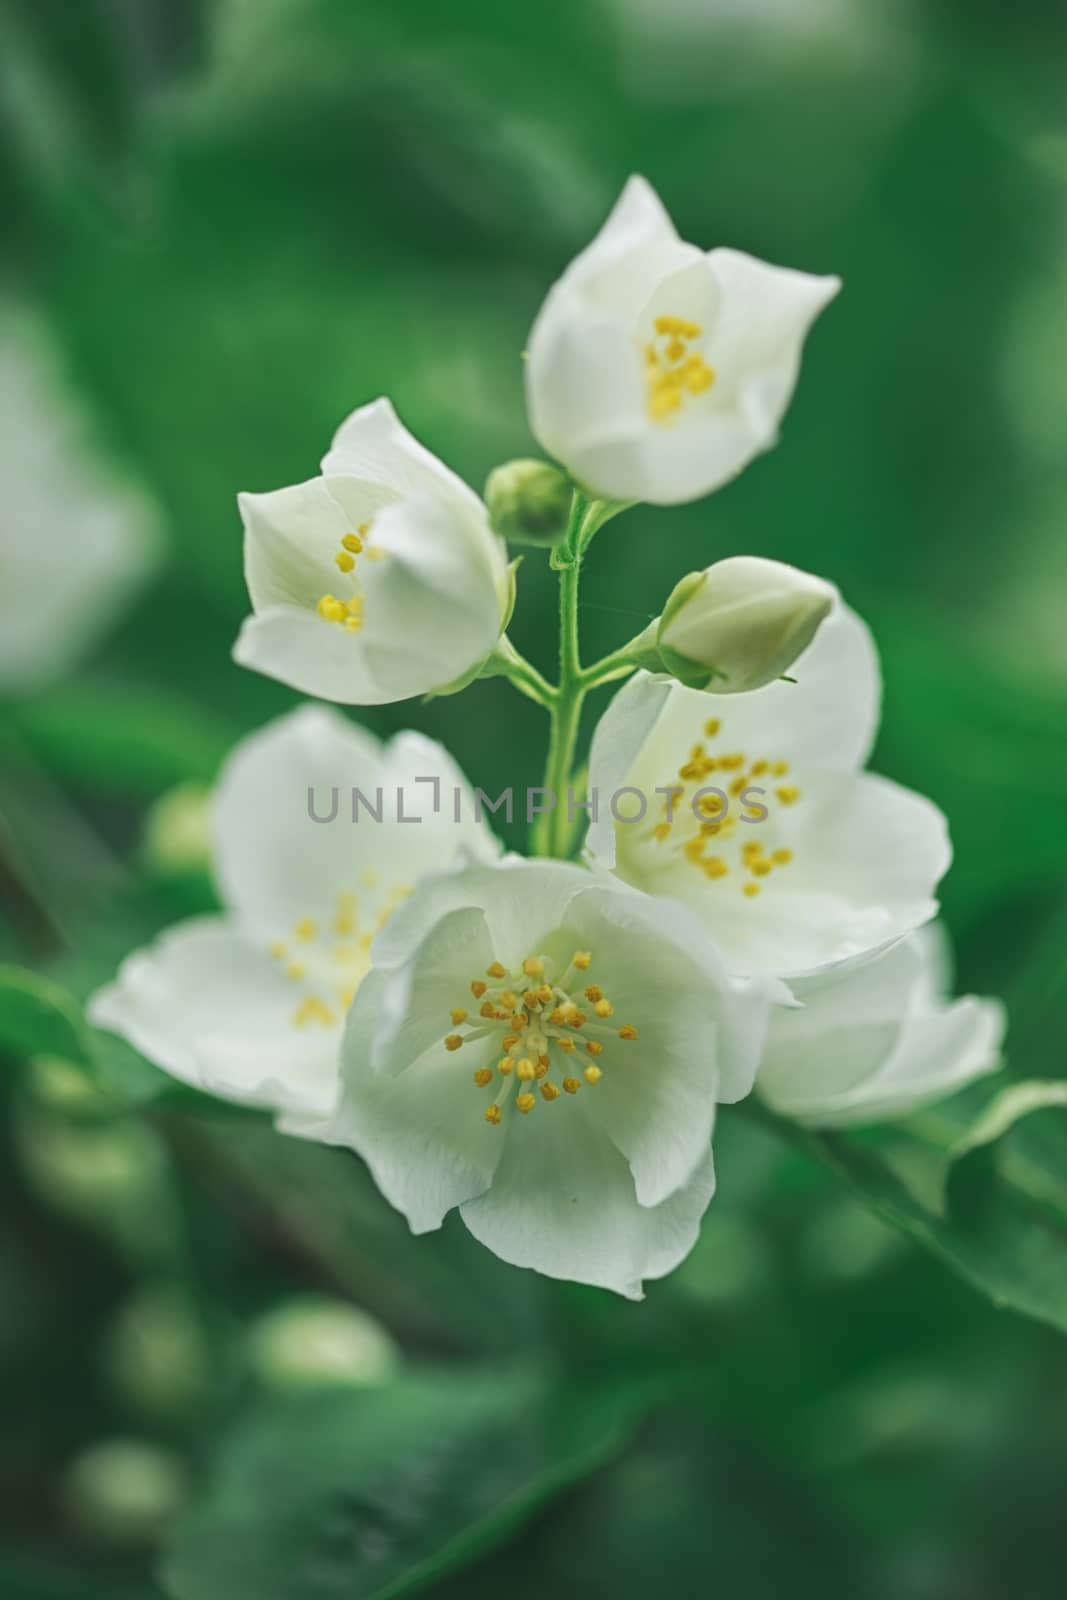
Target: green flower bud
(529, 502)
(125, 1491)
(314, 1342)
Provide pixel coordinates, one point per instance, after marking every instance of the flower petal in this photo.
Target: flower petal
(214, 1011)
(286, 845)
(562, 1201)
(373, 445)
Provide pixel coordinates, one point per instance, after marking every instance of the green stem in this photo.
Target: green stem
(506, 662)
(552, 831)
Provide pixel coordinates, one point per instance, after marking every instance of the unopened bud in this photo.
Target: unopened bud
(313, 1343)
(529, 502)
(741, 623)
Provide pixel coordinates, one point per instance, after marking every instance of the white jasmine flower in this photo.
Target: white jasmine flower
(76, 540)
(249, 1004)
(656, 370)
(877, 1042)
(760, 818)
(377, 581)
(740, 623)
(544, 1051)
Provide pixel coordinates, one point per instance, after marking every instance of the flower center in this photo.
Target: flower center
(347, 610)
(672, 369)
(545, 1036)
(698, 824)
(330, 959)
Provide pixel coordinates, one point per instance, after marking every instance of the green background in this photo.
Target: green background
(245, 218)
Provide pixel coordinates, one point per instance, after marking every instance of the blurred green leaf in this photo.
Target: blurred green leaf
(376, 1493)
(1019, 1144)
(1006, 1243)
(38, 1017)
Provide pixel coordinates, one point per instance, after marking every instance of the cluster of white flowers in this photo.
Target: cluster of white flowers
(542, 1044)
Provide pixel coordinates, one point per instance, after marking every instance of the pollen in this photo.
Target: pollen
(305, 928)
(496, 971)
(295, 970)
(594, 1047)
(492, 1114)
(313, 1010)
(533, 967)
(627, 1031)
(788, 793)
(353, 543)
(453, 1041)
(344, 560)
(505, 1065)
(458, 1015)
(483, 1076)
(604, 1008)
(572, 1085)
(712, 726)
(592, 1074)
(332, 609)
(750, 890)
(582, 959)
(526, 1069)
(478, 988)
(549, 1091)
(525, 1103)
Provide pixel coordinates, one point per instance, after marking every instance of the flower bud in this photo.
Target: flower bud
(313, 1342)
(529, 502)
(741, 623)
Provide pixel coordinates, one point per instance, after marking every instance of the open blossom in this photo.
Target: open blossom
(656, 370)
(740, 623)
(545, 1052)
(76, 540)
(249, 1004)
(759, 817)
(879, 1041)
(378, 580)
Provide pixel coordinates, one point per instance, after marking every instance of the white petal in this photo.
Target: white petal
(420, 1130)
(291, 538)
(373, 445)
(213, 1010)
(298, 648)
(875, 1042)
(276, 864)
(699, 1040)
(562, 1202)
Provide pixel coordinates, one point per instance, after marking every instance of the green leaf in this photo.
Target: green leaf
(38, 1017)
(376, 1493)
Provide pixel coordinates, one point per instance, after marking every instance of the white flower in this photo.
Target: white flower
(878, 1042)
(249, 1004)
(657, 371)
(744, 618)
(545, 1051)
(794, 859)
(76, 540)
(377, 581)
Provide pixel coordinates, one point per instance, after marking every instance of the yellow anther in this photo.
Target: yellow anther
(453, 1041)
(549, 1091)
(346, 996)
(277, 950)
(787, 793)
(582, 959)
(594, 992)
(332, 609)
(364, 528)
(566, 1045)
(572, 1085)
(353, 542)
(712, 726)
(544, 993)
(592, 1074)
(478, 988)
(483, 1076)
(782, 857)
(345, 561)
(593, 1047)
(693, 849)
(295, 971)
(519, 1020)
(541, 1069)
(780, 768)
(508, 1000)
(662, 831)
(759, 768)
(495, 971)
(604, 1008)
(525, 1103)
(533, 966)
(760, 869)
(458, 1015)
(526, 1070)
(488, 1010)
(305, 928)
(510, 1040)
(505, 1065)
(715, 867)
(313, 1010)
(492, 1114)
(627, 1031)
(750, 889)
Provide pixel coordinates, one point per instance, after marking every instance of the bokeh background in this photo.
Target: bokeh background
(231, 221)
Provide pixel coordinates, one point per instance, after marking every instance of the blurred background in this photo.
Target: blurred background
(227, 223)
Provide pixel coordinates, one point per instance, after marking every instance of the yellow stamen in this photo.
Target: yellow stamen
(478, 988)
(345, 561)
(604, 1008)
(492, 1114)
(572, 1085)
(526, 1069)
(505, 1065)
(533, 967)
(453, 1041)
(483, 1076)
(458, 1015)
(627, 1031)
(525, 1103)
(592, 1074)
(549, 1091)
(495, 971)
(582, 959)
(353, 542)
